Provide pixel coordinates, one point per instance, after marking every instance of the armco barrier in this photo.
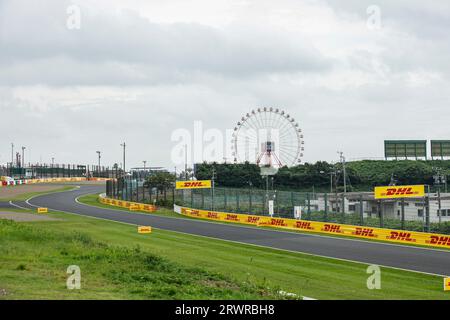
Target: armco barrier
(397, 236)
(127, 204)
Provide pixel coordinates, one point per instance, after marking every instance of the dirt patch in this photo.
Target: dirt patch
(25, 217)
(13, 191)
(3, 292)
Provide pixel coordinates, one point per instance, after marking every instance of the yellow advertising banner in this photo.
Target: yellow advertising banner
(390, 235)
(397, 192)
(197, 184)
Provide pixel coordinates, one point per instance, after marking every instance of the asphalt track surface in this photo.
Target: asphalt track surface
(402, 257)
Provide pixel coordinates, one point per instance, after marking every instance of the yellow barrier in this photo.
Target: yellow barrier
(144, 230)
(132, 206)
(135, 207)
(42, 210)
(446, 284)
(397, 236)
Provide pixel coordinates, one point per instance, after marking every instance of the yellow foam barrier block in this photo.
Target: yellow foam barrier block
(144, 230)
(42, 210)
(446, 284)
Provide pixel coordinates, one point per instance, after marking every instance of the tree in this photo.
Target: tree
(161, 181)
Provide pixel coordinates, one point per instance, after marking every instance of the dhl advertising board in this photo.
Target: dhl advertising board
(197, 184)
(132, 206)
(397, 192)
(397, 236)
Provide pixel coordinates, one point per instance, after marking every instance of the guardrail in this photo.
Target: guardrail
(368, 233)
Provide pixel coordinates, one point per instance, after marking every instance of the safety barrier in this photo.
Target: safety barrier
(397, 236)
(12, 183)
(132, 206)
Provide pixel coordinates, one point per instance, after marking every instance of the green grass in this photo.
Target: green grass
(118, 263)
(25, 196)
(34, 261)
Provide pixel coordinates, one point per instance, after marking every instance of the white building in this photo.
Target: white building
(415, 208)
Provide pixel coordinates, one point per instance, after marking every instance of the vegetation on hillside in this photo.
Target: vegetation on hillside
(361, 175)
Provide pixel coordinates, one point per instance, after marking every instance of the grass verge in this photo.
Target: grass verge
(28, 195)
(118, 263)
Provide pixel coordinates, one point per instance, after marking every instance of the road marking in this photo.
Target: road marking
(249, 244)
(17, 206)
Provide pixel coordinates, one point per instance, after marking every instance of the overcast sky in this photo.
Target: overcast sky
(135, 71)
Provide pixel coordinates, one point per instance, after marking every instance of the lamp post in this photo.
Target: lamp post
(12, 154)
(23, 157)
(124, 150)
(99, 157)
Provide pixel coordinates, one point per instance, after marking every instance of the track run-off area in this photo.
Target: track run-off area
(424, 260)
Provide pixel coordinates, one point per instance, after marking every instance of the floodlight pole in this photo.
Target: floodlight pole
(12, 154)
(99, 157)
(124, 150)
(213, 178)
(23, 157)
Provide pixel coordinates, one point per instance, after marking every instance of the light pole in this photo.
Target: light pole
(185, 161)
(342, 159)
(12, 154)
(23, 157)
(145, 162)
(213, 178)
(99, 157)
(124, 148)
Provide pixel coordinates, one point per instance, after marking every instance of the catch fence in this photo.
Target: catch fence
(430, 214)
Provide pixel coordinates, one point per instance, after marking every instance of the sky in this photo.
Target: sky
(81, 76)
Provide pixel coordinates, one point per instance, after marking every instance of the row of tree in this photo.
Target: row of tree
(360, 175)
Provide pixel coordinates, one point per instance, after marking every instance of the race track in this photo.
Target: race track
(403, 257)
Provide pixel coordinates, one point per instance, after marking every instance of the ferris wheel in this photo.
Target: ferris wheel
(268, 137)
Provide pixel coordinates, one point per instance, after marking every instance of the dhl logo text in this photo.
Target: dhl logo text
(195, 213)
(399, 192)
(213, 215)
(194, 184)
(400, 236)
(252, 219)
(440, 241)
(364, 232)
(332, 228)
(232, 217)
(303, 225)
(278, 222)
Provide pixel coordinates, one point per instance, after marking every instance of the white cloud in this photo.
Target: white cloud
(137, 70)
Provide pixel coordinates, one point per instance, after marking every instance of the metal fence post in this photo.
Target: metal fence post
(225, 199)
(308, 199)
(237, 202)
(403, 213)
(250, 201)
(427, 213)
(361, 210)
(380, 209)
